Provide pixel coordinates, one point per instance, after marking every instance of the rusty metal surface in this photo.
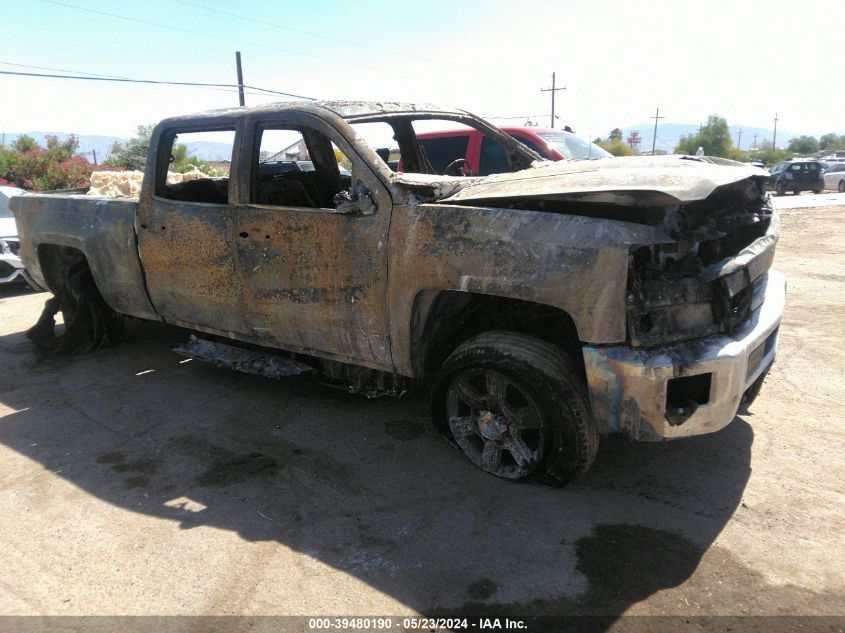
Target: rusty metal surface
(102, 228)
(344, 286)
(574, 263)
(244, 360)
(631, 180)
(190, 259)
(628, 386)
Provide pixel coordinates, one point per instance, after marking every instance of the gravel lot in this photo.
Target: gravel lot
(135, 482)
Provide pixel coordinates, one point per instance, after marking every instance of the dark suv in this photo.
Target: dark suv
(796, 176)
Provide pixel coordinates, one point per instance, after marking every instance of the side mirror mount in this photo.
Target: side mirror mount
(355, 201)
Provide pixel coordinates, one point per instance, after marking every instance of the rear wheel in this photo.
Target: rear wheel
(517, 408)
(841, 187)
(89, 322)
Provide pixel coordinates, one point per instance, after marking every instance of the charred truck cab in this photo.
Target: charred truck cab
(544, 306)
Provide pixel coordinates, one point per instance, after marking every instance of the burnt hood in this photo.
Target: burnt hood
(627, 181)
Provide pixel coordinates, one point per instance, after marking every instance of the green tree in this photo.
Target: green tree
(7, 157)
(52, 168)
(182, 162)
(832, 141)
(715, 138)
(616, 147)
(770, 156)
(615, 135)
(61, 149)
(24, 143)
(804, 145)
(133, 153)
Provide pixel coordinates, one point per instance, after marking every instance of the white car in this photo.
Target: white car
(834, 177)
(11, 267)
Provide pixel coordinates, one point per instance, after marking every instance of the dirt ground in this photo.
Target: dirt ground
(133, 481)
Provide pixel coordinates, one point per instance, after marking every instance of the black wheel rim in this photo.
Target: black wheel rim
(496, 422)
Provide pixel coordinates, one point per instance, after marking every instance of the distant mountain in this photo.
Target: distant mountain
(89, 143)
(207, 150)
(668, 135)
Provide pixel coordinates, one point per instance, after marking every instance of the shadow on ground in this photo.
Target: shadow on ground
(367, 486)
(17, 289)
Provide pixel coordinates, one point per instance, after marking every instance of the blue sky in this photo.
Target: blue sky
(618, 60)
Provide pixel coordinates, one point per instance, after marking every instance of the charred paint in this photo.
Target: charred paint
(605, 243)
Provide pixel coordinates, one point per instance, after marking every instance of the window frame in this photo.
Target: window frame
(164, 150)
(360, 171)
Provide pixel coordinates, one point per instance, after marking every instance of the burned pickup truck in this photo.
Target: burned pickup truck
(544, 307)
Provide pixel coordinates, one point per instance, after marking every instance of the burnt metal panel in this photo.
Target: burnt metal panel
(573, 263)
(102, 229)
(315, 279)
(189, 256)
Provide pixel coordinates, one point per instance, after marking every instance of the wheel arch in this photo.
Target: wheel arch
(55, 260)
(443, 319)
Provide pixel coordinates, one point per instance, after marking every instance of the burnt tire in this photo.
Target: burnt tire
(89, 322)
(517, 408)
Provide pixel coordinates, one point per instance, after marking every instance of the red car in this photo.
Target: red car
(469, 152)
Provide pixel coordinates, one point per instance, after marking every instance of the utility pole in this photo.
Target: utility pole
(656, 117)
(93, 151)
(240, 77)
(775, 135)
(755, 142)
(553, 90)
(739, 140)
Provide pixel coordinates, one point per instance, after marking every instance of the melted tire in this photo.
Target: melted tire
(89, 322)
(553, 382)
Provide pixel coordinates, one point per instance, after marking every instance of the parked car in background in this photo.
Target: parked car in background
(11, 267)
(471, 153)
(834, 177)
(796, 175)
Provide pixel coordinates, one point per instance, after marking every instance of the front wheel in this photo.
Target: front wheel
(841, 187)
(517, 408)
(780, 189)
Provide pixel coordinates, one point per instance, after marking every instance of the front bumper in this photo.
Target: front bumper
(690, 388)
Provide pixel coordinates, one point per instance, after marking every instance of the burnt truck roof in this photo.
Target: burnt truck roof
(640, 180)
(349, 110)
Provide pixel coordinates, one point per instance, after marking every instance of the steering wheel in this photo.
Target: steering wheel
(458, 167)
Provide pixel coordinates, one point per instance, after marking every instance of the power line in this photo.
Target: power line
(83, 72)
(194, 84)
(63, 70)
(309, 33)
(218, 37)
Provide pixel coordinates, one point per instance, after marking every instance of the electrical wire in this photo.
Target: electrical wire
(62, 70)
(153, 81)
